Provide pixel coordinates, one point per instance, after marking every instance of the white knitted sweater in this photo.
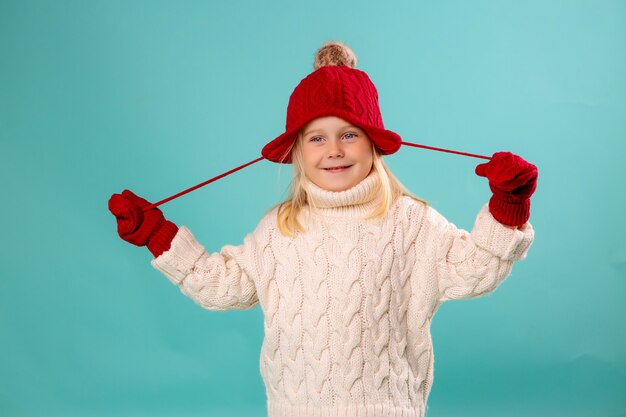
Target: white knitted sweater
(348, 305)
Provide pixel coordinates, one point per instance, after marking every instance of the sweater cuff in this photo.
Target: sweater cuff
(179, 260)
(506, 242)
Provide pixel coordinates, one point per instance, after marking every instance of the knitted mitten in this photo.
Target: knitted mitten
(141, 229)
(512, 181)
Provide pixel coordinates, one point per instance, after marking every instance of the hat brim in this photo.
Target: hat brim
(277, 150)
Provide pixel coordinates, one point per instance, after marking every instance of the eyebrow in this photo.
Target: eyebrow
(319, 130)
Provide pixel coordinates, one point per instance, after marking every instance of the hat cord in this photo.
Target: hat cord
(202, 184)
(445, 150)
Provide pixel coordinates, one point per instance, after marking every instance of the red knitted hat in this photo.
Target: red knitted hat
(335, 88)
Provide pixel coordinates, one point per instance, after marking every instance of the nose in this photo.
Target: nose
(335, 149)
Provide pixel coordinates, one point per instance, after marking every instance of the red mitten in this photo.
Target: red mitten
(141, 228)
(512, 181)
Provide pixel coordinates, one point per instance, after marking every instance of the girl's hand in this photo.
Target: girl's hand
(512, 181)
(141, 229)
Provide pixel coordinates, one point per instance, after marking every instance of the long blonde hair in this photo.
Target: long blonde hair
(389, 188)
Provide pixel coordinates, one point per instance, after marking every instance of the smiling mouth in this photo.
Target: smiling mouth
(337, 168)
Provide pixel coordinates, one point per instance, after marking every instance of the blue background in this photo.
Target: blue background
(157, 96)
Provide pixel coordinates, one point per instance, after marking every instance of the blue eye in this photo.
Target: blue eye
(314, 138)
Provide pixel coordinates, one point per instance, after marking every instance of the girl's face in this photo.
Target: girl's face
(330, 142)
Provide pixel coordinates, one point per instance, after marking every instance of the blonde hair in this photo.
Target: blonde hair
(388, 189)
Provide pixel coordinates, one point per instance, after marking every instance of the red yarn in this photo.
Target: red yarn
(140, 227)
(445, 150)
(513, 181)
(260, 158)
(201, 184)
(333, 90)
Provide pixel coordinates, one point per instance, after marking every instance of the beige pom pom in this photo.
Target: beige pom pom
(334, 53)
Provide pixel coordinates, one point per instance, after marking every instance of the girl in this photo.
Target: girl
(350, 270)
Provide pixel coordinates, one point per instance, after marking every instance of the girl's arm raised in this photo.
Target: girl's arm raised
(223, 280)
(470, 265)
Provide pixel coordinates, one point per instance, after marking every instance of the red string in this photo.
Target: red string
(200, 185)
(445, 150)
(148, 207)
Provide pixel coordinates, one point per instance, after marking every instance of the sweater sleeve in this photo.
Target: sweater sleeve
(223, 280)
(471, 265)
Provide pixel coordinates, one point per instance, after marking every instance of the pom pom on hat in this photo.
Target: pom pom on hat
(334, 53)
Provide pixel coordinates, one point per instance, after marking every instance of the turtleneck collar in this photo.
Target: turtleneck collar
(359, 200)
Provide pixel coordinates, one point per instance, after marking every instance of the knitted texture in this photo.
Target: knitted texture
(161, 239)
(513, 181)
(336, 90)
(139, 226)
(348, 305)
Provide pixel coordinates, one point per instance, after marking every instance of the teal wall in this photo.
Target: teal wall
(157, 96)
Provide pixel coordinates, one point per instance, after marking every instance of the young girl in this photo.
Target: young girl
(350, 270)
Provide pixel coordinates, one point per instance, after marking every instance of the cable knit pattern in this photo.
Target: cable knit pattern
(347, 305)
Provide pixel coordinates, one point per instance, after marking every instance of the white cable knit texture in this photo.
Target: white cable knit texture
(347, 305)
